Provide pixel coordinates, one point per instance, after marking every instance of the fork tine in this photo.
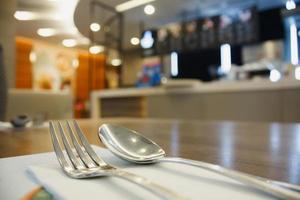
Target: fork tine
(75, 161)
(57, 149)
(83, 156)
(87, 145)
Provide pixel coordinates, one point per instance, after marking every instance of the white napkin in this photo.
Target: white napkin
(188, 181)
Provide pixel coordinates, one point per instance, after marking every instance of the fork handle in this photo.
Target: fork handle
(289, 186)
(247, 179)
(156, 189)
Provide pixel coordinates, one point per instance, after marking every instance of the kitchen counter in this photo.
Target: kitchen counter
(225, 100)
(219, 86)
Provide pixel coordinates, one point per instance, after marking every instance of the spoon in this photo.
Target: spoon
(132, 146)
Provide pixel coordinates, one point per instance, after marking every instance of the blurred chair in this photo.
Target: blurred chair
(3, 87)
(39, 105)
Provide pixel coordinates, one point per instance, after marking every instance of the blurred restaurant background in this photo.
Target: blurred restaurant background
(183, 59)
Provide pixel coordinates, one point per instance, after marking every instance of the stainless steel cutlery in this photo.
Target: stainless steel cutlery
(81, 161)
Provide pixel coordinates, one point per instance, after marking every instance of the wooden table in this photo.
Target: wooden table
(269, 150)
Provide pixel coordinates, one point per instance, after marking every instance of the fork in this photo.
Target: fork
(83, 162)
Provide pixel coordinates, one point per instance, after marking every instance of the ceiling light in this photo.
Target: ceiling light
(134, 41)
(69, 42)
(116, 62)
(131, 4)
(95, 27)
(290, 4)
(25, 15)
(46, 32)
(149, 9)
(96, 49)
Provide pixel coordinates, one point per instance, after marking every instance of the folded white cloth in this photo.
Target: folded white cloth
(188, 181)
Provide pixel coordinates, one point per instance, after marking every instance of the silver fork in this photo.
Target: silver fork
(86, 164)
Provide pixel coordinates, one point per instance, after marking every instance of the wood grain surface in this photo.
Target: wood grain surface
(269, 150)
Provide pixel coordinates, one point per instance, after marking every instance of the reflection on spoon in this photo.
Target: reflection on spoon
(132, 146)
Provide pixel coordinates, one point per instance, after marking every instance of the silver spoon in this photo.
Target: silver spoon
(132, 146)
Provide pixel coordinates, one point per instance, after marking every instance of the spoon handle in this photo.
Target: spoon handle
(250, 180)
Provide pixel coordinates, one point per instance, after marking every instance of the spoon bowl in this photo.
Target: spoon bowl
(134, 147)
(130, 145)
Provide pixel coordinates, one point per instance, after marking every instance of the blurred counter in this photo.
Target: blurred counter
(39, 104)
(259, 100)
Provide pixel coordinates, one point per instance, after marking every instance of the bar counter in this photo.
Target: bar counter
(260, 100)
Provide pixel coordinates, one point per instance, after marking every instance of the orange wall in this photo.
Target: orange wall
(98, 71)
(90, 75)
(23, 64)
